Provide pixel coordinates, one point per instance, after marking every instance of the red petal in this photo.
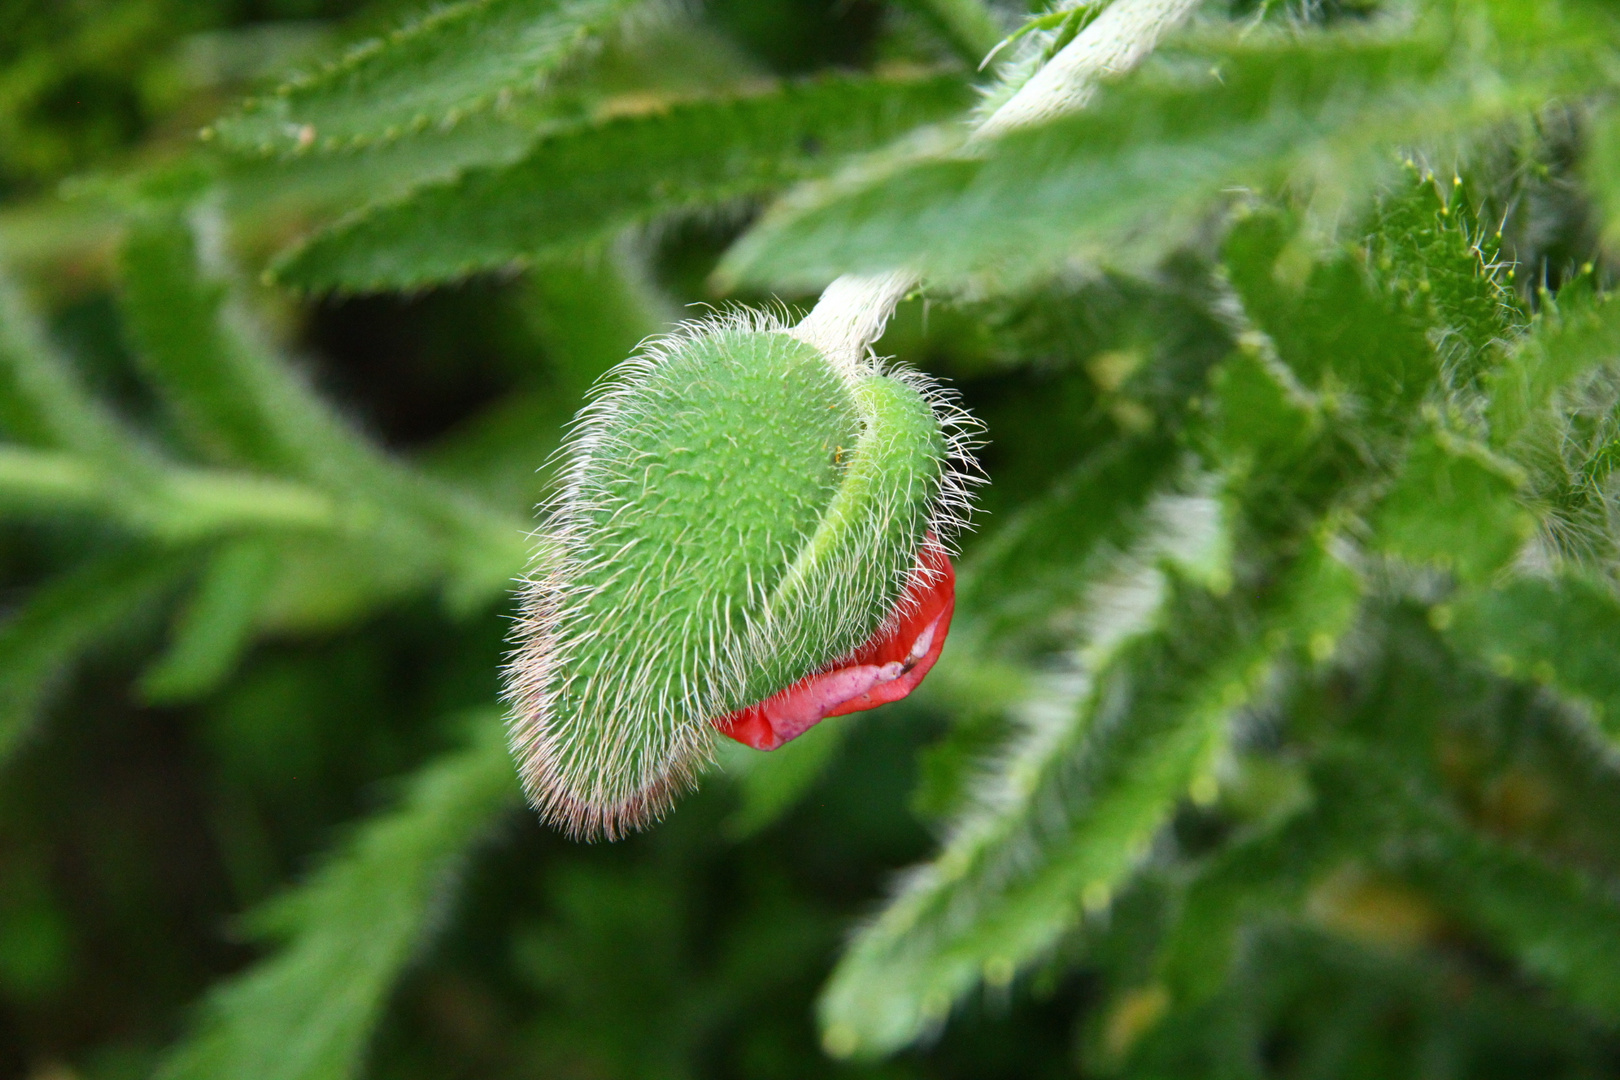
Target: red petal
(885, 669)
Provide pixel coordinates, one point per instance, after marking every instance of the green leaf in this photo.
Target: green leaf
(228, 388)
(240, 399)
(1319, 599)
(589, 314)
(226, 397)
(1330, 1001)
(1366, 813)
(458, 59)
(1265, 876)
(1567, 340)
(1070, 812)
(1081, 810)
(1102, 760)
(1263, 422)
(1454, 506)
(1561, 631)
(579, 186)
(1259, 878)
(307, 1011)
(261, 195)
(41, 400)
(323, 584)
(1025, 585)
(1427, 246)
(1330, 325)
(60, 621)
(215, 627)
(1558, 924)
(1561, 926)
(1129, 174)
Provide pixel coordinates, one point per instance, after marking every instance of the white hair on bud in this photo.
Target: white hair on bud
(621, 801)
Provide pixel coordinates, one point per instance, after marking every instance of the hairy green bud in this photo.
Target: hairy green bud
(737, 513)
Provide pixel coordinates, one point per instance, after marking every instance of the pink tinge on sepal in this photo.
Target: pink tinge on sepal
(885, 669)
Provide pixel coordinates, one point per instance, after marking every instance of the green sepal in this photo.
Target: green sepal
(835, 593)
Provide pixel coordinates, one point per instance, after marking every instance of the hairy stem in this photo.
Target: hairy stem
(851, 314)
(1116, 41)
(853, 309)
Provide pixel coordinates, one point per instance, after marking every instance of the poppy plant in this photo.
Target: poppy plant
(751, 535)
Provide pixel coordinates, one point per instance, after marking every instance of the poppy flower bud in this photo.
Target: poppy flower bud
(749, 537)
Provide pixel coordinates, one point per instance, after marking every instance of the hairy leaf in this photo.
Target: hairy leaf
(581, 185)
(230, 391)
(1027, 583)
(457, 59)
(1136, 168)
(968, 26)
(589, 314)
(1603, 169)
(61, 620)
(307, 1011)
(240, 399)
(1565, 342)
(1363, 814)
(972, 915)
(166, 503)
(1561, 630)
(1427, 245)
(1101, 762)
(227, 397)
(1263, 423)
(1558, 924)
(1259, 878)
(214, 628)
(1334, 330)
(41, 400)
(1454, 506)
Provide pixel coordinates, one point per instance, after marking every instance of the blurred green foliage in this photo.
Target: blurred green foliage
(1276, 735)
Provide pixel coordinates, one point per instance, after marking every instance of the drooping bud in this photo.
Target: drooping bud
(740, 518)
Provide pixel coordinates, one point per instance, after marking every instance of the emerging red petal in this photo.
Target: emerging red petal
(885, 669)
